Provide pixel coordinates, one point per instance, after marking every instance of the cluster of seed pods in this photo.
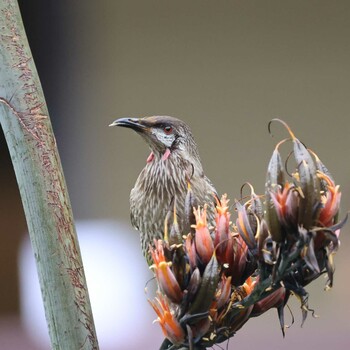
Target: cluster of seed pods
(216, 276)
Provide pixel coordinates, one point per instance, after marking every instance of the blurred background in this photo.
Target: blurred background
(226, 68)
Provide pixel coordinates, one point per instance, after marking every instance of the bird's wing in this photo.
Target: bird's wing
(216, 197)
(134, 215)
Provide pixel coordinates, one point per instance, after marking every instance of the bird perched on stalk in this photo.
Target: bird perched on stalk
(172, 166)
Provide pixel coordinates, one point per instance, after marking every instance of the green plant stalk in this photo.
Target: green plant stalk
(27, 128)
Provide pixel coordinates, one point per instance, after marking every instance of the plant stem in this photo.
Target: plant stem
(27, 128)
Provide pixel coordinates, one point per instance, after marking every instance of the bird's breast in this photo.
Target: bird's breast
(159, 184)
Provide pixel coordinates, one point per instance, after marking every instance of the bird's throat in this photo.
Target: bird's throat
(166, 154)
(150, 157)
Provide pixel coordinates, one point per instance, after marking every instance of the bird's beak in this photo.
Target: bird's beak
(132, 123)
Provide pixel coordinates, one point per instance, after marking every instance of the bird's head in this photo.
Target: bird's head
(162, 133)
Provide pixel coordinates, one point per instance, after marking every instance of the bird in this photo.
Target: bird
(172, 166)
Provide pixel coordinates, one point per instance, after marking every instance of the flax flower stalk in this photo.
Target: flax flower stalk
(32, 146)
(215, 279)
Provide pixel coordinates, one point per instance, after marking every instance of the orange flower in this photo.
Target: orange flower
(165, 276)
(170, 326)
(330, 201)
(222, 227)
(286, 205)
(203, 240)
(249, 285)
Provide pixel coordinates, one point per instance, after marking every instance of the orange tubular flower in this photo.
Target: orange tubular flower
(286, 204)
(165, 277)
(170, 326)
(222, 227)
(203, 240)
(330, 200)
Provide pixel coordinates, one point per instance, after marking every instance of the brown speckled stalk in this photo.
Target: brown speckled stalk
(31, 142)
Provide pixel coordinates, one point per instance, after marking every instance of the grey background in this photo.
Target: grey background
(226, 68)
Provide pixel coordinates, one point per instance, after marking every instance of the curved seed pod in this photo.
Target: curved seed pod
(191, 251)
(322, 169)
(254, 204)
(310, 187)
(274, 178)
(175, 236)
(275, 299)
(190, 203)
(308, 181)
(244, 227)
(200, 329)
(179, 265)
(263, 235)
(207, 289)
(193, 284)
(225, 291)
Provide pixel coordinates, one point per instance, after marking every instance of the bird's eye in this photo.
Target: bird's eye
(168, 130)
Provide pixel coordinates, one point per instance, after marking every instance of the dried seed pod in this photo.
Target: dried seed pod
(206, 292)
(308, 181)
(179, 265)
(244, 227)
(274, 179)
(321, 168)
(201, 328)
(275, 299)
(224, 291)
(175, 236)
(263, 235)
(255, 204)
(190, 203)
(191, 251)
(193, 284)
(310, 189)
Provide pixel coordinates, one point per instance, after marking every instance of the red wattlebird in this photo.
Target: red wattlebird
(172, 166)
